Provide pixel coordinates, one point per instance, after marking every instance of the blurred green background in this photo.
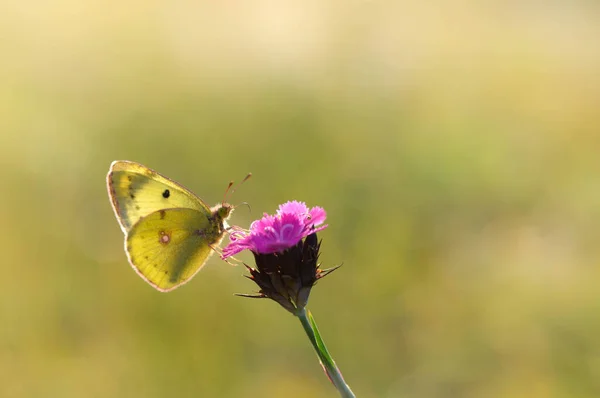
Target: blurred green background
(455, 147)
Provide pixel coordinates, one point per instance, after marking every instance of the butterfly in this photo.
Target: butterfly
(169, 231)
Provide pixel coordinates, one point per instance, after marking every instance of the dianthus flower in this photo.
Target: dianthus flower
(286, 251)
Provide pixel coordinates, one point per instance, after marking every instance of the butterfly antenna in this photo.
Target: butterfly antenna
(246, 178)
(243, 181)
(226, 192)
(229, 190)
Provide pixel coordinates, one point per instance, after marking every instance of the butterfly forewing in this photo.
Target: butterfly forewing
(169, 246)
(137, 191)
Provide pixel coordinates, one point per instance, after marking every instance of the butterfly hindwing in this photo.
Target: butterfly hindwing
(137, 191)
(169, 246)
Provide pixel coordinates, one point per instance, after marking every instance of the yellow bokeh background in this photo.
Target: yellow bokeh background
(455, 147)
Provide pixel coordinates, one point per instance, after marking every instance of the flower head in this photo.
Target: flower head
(292, 222)
(286, 251)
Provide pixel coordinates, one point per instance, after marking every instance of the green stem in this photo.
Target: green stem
(328, 364)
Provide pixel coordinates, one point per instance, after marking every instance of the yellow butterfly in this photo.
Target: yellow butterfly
(169, 231)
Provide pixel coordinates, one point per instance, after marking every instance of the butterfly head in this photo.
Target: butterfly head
(223, 210)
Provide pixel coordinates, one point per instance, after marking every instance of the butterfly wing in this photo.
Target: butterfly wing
(136, 191)
(168, 247)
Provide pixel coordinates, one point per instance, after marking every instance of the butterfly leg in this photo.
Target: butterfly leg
(219, 251)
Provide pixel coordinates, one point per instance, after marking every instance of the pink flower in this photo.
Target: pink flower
(276, 233)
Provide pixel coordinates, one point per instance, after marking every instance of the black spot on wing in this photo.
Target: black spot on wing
(166, 194)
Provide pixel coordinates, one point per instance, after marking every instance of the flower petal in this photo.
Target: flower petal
(317, 215)
(293, 207)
